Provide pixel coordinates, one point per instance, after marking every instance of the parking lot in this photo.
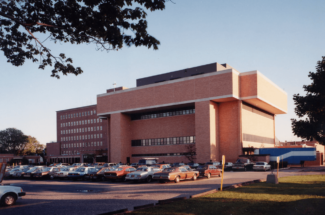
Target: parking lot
(85, 197)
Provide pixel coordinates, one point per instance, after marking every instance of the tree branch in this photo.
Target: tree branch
(28, 24)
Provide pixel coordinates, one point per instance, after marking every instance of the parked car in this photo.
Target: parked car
(80, 173)
(243, 164)
(99, 175)
(161, 166)
(148, 161)
(193, 165)
(177, 164)
(92, 172)
(30, 173)
(20, 173)
(262, 166)
(135, 165)
(208, 171)
(142, 174)
(215, 163)
(228, 166)
(15, 169)
(10, 194)
(63, 173)
(119, 173)
(109, 164)
(55, 170)
(46, 173)
(175, 174)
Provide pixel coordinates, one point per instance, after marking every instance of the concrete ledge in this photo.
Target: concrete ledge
(122, 211)
(205, 193)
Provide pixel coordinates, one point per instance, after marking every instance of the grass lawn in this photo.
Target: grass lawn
(293, 195)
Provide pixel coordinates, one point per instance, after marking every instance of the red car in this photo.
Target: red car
(119, 173)
(209, 170)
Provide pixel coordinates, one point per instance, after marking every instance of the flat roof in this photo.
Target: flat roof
(188, 72)
(77, 108)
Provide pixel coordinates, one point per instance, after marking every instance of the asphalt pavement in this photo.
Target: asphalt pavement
(86, 197)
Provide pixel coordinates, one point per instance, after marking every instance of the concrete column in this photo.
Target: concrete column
(120, 138)
(230, 130)
(206, 131)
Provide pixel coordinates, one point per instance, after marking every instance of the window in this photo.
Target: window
(94, 111)
(101, 127)
(91, 121)
(94, 142)
(82, 113)
(88, 121)
(100, 120)
(97, 120)
(91, 128)
(101, 135)
(101, 143)
(163, 141)
(91, 112)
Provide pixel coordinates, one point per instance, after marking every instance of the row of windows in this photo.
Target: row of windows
(4, 160)
(78, 145)
(81, 122)
(74, 152)
(82, 137)
(257, 139)
(79, 130)
(162, 154)
(80, 114)
(164, 141)
(162, 114)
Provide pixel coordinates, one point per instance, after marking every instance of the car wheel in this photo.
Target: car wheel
(52, 177)
(149, 179)
(245, 169)
(209, 175)
(9, 199)
(194, 177)
(177, 179)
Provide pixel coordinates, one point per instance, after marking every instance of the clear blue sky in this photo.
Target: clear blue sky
(281, 39)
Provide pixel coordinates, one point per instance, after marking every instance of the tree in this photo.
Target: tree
(311, 108)
(12, 141)
(191, 152)
(33, 147)
(107, 23)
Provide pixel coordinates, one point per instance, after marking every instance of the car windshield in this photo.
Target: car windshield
(143, 169)
(55, 169)
(33, 169)
(80, 170)
(169, 169)
(259, 163)
(202, 167)
(46, 169)
(119, 169)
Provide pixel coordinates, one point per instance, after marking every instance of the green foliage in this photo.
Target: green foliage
(33, 147)
(296, 195)
(12, 141)
(311, 108)
(107, 24)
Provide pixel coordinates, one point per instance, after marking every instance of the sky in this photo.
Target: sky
(281, 39)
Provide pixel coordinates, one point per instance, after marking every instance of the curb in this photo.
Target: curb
(205, 193)
(167, 201)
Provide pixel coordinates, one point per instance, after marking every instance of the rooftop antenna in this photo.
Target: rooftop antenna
(114, 86)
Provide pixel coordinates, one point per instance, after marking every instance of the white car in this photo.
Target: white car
(142, 174)
(262, 166)
(10, 194)
(63, 173)
(80, 173)
(20, 173)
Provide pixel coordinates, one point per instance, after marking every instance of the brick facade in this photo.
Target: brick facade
(221, 112)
